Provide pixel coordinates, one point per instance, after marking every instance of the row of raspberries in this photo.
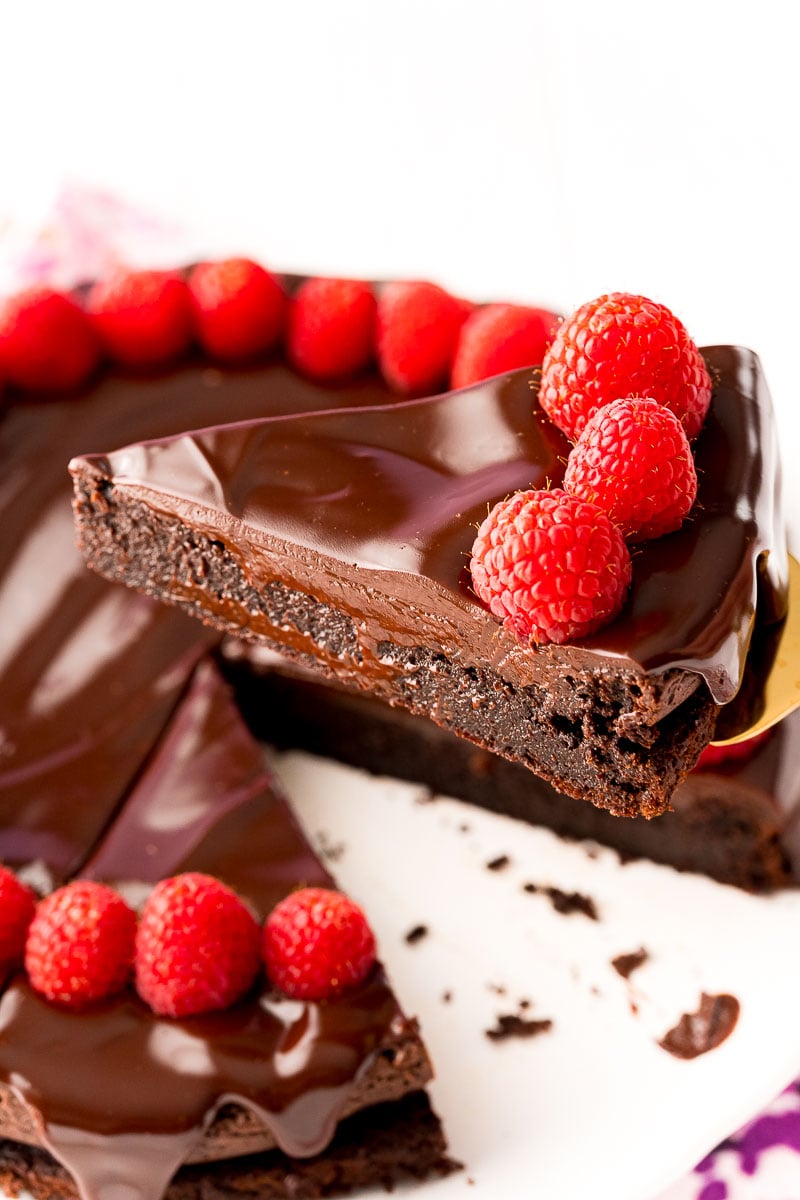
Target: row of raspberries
(420, 336)
(625, 382)
(194, 948)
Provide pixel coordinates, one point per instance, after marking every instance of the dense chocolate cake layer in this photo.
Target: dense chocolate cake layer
(736, 821)
(341, 539)
(129, 1095)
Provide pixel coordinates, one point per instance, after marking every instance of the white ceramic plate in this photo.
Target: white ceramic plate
(594, 1107)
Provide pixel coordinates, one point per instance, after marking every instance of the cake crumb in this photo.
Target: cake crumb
(565, 903)
(626, 964)
(416, 934)
(499, 863)
(499, 989)
(447, 997)
(512, 1025)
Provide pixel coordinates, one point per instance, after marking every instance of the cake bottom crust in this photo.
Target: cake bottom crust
(377, 1147)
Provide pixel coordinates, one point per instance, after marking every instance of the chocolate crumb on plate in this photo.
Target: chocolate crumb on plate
(417, 934)
(565, 903)
(698, 1032)
(499, 863)
(626, 964)
(512, 1025)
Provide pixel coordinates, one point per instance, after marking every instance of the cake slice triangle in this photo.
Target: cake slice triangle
(341, 539)
(268, 1097)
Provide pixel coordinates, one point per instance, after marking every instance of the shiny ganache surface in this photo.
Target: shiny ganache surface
(384, 501)
(118, 1093)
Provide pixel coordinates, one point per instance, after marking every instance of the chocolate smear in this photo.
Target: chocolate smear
(698, 1032)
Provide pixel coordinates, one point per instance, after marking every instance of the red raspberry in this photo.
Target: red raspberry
(498, 338)
(736, 752)
(80, 944)
(197, 948)
(46, 341)
(17, 906)
(418, 326)
(553, 567)
(623, 345)
(332, 328)
(317, 944)
(239, 308)
(144, 318)
(634, 461)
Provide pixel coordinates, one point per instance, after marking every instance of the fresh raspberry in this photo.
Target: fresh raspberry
(736, 752)
(17, 906)
(144, 318)
(623, 345)
(498, 338)
(332, 328)
(552, 567)
(239, 308)
(317, 944)
(46, 341)
(80, 944)
(197, 948)
(418, 326)
(634, 461)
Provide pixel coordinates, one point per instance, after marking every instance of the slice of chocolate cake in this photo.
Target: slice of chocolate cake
(273, 1096)
(735, 819)
(341, 539)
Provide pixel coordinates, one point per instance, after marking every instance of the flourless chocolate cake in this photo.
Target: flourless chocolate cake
(341, 540)
(96, 683)
(131, 1096)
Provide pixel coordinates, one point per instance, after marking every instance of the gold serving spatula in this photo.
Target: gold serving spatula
(778, 691)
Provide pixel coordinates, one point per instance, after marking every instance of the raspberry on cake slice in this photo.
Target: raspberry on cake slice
(342, 540)
(194, 1073)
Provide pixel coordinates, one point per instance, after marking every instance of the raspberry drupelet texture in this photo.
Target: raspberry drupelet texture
(143, 318)
(197, 946)
(623, 345)
(317, 943)
(552, 567)
(17, 906)
(239, 308)
(634, 461)
(331, 332)
(417, 329)
(500, 337)
(80, 944)
(47, 342)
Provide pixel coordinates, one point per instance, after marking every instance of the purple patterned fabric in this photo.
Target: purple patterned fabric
(761, 1161)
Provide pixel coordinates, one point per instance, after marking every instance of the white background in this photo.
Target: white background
(539, 151)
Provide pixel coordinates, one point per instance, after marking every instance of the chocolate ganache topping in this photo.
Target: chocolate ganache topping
(379, 507)
(90, 674)
(122, 1096)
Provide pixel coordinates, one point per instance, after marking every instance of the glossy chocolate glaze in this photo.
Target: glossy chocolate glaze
(375, 511)
(89, 676)
(89, 673)
(124, 1096)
